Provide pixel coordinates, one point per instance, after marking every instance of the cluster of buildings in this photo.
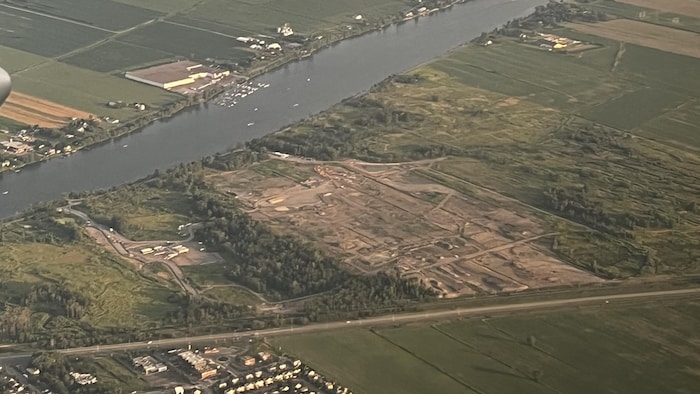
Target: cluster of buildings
(167, 252)
(149, 365)
(285, 30)
(83, 379)
(258, 44)
(16, 147)
(184, 73)
(549, 42)
(281, 377)
(198, 364)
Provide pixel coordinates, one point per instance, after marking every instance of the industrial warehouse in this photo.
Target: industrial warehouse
(182, 76)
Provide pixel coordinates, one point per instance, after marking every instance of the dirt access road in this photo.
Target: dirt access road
(117, 242)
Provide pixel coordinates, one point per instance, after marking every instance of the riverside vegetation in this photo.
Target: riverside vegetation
(531, 125)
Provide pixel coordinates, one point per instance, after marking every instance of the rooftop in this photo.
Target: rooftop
(172, 71)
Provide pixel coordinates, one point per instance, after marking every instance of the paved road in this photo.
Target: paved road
(380, 320)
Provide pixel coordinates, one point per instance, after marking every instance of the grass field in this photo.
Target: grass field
(212, 278)
(643, 349)
(96, 274)
(88, 90)
(554, 80)
(117, 55)
(149, 214)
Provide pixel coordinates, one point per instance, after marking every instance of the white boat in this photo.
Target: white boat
(5, 192)
(251, 123)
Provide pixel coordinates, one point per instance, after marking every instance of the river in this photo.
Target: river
(296, 91)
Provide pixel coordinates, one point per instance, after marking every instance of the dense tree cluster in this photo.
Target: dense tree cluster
(365, 296)
(332, 139)
(266, 262)
(201, 310)
(71, 304)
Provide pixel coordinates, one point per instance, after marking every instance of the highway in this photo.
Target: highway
(383, 320)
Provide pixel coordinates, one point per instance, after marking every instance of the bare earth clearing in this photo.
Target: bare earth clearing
(645, 34)
(390, 218)
(32, 110)
(681, 7)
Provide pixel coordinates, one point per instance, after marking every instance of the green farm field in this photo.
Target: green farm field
(191, 43)
(642, 349)
(104, 14)
(633, 12)
(117, 55)
(88, 90)
(42, 35)
(305, 16)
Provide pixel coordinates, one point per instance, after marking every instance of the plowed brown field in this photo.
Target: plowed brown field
(32, 110)
(645, 34)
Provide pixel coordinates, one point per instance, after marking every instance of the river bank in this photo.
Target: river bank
(186, 102)
(313, 84)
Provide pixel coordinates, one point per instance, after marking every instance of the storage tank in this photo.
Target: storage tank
(5, 85)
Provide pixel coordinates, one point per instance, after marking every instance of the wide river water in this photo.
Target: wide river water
(296, 91)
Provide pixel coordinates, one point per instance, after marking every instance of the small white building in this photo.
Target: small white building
(285, 30)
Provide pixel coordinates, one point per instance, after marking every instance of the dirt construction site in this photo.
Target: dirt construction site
(31, 110)
(390, 218)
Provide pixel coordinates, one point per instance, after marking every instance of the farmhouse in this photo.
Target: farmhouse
(15, 147)
(181, 73)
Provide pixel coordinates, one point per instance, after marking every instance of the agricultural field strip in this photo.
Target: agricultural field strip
(398, 318)
(680, 7)
(645, 34)
(113, 37)
(200, 29)
(55, 17)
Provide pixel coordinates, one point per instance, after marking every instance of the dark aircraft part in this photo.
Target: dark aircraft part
(5, 85)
